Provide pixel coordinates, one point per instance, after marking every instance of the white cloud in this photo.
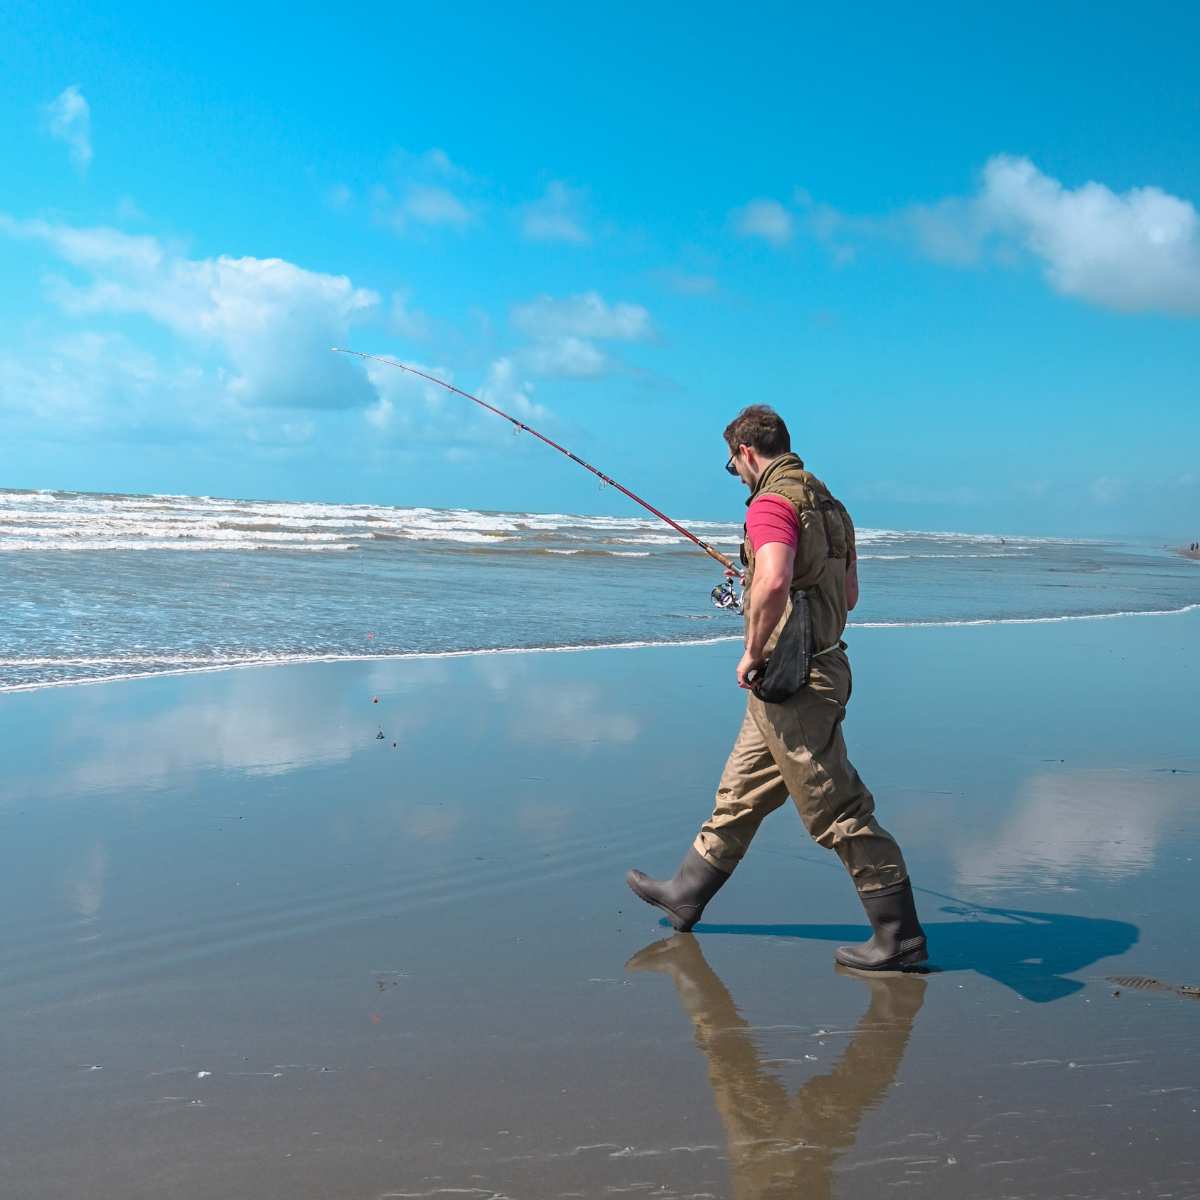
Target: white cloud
(416, 411)
(766, 219)
(1133, 251)
(557, 216)
(272, 321)
(564, 330)
(507, 390)
(79, 382)
(69, 120)
(583, 315)
(422, 194)
(405, 403)
(435, 162)
(431, 205)
(951, 231)
(566, 356)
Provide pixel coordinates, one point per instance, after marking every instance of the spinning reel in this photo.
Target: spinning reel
(726, 596)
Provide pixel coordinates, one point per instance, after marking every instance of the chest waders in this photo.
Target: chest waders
(791, 744)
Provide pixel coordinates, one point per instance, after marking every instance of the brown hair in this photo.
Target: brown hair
(761, 427)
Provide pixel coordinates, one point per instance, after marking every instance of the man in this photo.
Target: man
(798, 539)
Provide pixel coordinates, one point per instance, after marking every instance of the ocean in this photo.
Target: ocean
(102, 586)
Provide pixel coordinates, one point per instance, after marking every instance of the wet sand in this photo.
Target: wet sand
(253, 950)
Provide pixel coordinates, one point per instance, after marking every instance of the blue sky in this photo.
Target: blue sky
(959, 250)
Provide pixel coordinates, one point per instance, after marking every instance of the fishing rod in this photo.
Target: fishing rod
(723, 595)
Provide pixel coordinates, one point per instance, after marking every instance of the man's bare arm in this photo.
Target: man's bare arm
(773, 566)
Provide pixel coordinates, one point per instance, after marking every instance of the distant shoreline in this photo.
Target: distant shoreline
(1184, 552)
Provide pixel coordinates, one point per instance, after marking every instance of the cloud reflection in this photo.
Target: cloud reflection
(1068, 825)
(86, 881)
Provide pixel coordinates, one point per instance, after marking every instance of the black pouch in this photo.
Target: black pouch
(786, 670)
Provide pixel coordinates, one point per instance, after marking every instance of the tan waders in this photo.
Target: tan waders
(796, 748)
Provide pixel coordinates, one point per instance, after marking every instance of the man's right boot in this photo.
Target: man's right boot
(897, 939)
(682, 898)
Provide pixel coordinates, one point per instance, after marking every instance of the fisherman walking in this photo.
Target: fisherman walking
(800, 581)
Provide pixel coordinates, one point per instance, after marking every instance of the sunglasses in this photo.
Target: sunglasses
(729, 465)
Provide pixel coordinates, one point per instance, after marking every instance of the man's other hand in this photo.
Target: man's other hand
(749, 663)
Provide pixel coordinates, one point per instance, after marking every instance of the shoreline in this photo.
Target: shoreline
(425, 655)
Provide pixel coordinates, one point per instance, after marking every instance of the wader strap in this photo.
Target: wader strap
(838, 645)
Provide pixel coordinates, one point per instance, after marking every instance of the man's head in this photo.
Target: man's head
(755, 437)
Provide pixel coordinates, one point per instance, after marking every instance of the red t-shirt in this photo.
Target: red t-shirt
(771, 518)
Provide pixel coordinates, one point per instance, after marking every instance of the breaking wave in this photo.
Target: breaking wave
(101, 586)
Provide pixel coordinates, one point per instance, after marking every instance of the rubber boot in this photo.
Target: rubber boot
(682, 898)
(898, 940)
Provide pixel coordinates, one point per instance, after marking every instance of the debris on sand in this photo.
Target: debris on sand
(1146, 983)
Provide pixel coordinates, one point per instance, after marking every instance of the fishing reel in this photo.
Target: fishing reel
(726, 596)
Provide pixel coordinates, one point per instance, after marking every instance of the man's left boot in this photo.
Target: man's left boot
(898, 939)
(684, 896)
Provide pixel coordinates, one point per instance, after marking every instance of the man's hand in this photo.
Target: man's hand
(749, 663)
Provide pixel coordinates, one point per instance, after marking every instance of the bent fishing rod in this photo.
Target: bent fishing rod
(723, 595)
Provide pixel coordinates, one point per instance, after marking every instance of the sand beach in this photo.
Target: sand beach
(254, 949)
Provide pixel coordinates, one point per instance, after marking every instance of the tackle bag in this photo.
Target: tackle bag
(786, 670)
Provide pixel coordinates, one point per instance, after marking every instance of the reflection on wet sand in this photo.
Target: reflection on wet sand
(1069, 825)
(781, 1144)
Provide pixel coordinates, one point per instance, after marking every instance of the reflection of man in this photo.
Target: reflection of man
(781, 1145)
(798, 539)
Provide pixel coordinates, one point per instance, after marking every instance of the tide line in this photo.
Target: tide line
(198, 666)
(965, 623)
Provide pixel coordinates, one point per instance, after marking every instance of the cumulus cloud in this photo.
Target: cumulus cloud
(564, 331)
(766, 219)
(425, 192)
(431, 205)
(583, 315)
(69, 120)
(272, 321)
(506, 389)
(1132, 251)
(420, 204)
(557, 216)
(569, 356)
(78, 382)
(414, 410)
(405, 403)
